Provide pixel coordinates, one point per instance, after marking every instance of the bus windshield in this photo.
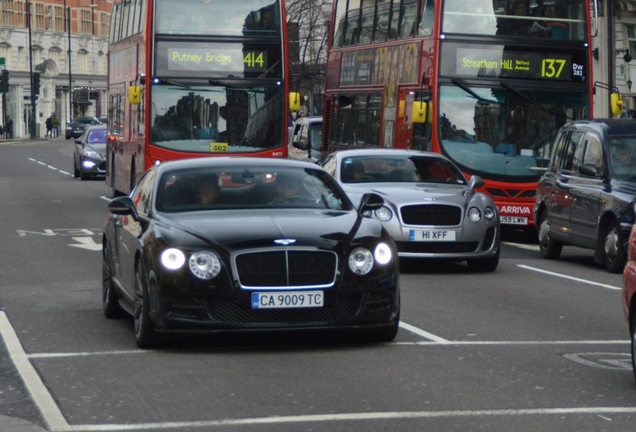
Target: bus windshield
(552, 19)
(503, 132)
(218, 17)
(216, 119)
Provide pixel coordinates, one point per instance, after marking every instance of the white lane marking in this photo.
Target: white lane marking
(569, 277)
(522, 246)
(494, 343)
(106, 198)
(64, 172)
(36, 388)
(423, 333)
(85, 354)
(41, 163)
(394, 415)
(52, 167)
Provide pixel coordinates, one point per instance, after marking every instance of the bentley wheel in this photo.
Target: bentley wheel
(110, 300)
(485, 264)
(550, 249)
(615, 255)
(145, 334)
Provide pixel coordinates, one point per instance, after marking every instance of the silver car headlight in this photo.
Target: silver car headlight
(474, 214)
(172, 259)
(489, 213)
(205, 265)
(383, 254)
(361, 261)
(383, 214)
(90, 153)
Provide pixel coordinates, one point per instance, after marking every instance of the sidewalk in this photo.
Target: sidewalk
(13, 424)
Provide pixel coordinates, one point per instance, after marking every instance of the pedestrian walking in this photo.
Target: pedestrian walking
(49, 127)
(8, 127)
(56, 126)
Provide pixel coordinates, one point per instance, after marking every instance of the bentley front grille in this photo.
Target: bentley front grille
(286, 268)
(431, 214)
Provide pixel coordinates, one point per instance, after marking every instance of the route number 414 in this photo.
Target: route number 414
(254, 59)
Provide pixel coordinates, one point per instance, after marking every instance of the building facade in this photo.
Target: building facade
(69, 55)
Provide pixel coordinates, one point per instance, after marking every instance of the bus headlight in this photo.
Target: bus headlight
(360, 261)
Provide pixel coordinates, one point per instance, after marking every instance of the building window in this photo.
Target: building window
(8, 16)
(40, 18)
(36, 54)
(86, 21)
(631, 37)
(4, 52)
(54, 54)
(58, 19)
(20, 13)
(22, 58)
(104, 24)
(82, 61)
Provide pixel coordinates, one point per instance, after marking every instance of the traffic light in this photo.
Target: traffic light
(36, 83)
(4, 81)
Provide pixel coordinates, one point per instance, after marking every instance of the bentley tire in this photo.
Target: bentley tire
(145, 334)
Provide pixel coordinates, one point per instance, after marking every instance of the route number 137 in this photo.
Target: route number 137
(552, 68)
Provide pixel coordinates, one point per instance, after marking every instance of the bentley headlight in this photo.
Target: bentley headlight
(172, 259)
(384, 214)
(361, 261)
(205, 265)
(474, 214)
(383, 254)
(489, 213)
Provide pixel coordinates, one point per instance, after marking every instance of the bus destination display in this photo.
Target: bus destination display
(500, 63)
(176, 59)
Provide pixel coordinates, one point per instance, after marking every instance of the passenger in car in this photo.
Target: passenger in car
(621, 155)
(207, 189)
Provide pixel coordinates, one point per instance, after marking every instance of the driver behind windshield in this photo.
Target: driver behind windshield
(287, 188)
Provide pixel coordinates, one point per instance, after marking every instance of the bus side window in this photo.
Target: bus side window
(428, 19)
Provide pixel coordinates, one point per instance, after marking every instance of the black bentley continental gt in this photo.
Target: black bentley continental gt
(231, 244)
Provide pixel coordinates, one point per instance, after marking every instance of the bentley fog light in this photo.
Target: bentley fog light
(383, 214)
(489, 213)
(172, 259)
(361, 261)
(383, 253)
(205, 265)
(474, 214)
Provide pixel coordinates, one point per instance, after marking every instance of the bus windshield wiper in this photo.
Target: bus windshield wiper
(509, 87)
(174, 83)
(528, 99)
(462, 85)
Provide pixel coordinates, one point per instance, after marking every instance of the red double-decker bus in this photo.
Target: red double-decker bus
(488, 83)
(194, 78)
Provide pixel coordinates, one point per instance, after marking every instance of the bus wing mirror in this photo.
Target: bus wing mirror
(419, 112)
(134, 95)
(294, 101)
(616, 101)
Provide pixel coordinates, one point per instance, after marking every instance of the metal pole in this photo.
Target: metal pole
(33, 111)
(70, 73)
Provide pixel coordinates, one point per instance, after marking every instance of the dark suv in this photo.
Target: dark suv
(76, 127)
(587, 196)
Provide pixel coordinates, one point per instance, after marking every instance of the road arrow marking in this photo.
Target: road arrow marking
(86, 243)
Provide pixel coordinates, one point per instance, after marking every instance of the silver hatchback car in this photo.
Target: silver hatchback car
(430, 209)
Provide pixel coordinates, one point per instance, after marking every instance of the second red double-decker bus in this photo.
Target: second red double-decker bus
(193, 78)
(488, 83)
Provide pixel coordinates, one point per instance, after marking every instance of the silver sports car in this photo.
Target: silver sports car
(430, 209)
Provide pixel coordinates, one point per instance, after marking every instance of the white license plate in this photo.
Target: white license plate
(513, 220)
(432, 235)
(287, 299)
